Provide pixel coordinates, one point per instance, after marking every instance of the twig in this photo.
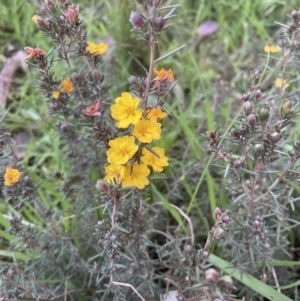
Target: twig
(189, 222)
(128, 285)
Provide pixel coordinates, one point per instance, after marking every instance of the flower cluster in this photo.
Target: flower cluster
(129, 156)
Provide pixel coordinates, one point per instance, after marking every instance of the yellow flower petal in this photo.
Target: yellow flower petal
(270, 48)
(147, 130)
(156, 162)
(96, 49)
(56, 94)
(114, 173)
(136, 176)
(67, 86)
(121, 150)
(11, 176)
(155, 114)
(125, 110)
(280, 83)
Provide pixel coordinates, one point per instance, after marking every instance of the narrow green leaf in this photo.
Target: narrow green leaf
(169, 53)
(250, 281)
(18, 255)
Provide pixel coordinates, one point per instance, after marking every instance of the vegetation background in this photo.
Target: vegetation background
(212, 72)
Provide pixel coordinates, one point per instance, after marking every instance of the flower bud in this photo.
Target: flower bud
(248, 108)
(76, 77)
(104, 87)
(251, 120)
(286, 109)
(189, 250)
(95, 74)
(64, 128)
(102, 186)
(294, 15)
(245, 97)
(274, 137)
(218, 232)
(258, 94)
(205, 254)
(257, 226)
(159, 23)
(237, 163)
(226, 282)
(133, 80)
(255, 74)
(50, 4)
(218, 212)
(235, 133)
(225, 219)
(259, 149)
(40, 22)
(72, 14)
(211, 276)
(264, 115)
(136, 19)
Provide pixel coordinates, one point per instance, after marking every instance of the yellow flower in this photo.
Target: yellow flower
(125, 110)
(67, 86)
(280, 83)
(114, 173)
(147, 130)
(164, 75)
(56, 94)
(11, 176)
(155, 114)
(156, 162)
(95, 49)
(136, 176)
(270, 48)
(121, 150)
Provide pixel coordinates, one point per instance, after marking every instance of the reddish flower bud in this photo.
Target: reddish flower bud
(248, 108)
(205, 254)
(102, 186)
(95, 74)
(246, 97)
(77, 78)
(257, 226)
(136, 19)
(258, 94)
(50, 4)
(274, 137)
(218, 232)
(237, 163)
(251, 120)
(189, 250)
(211, 276)
(93, 110)
(235, 133)
(72, 14)
(133, 80)
(218, 212)
(259, 148)
(294, 15)
(159, 23)
(40, 22)
(225, 219)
